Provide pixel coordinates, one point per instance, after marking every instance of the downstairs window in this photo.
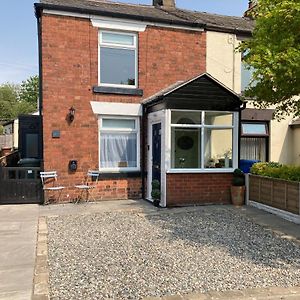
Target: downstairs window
(119, 144)
(203, 140)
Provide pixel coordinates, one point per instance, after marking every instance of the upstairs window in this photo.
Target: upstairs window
(246, 75)
(118, 59)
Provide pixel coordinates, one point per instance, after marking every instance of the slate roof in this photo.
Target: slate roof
(153, 14)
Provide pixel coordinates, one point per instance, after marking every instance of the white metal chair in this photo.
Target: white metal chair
(47, 178)
(92, 178)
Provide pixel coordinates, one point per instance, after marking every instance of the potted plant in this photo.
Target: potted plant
(155, 193)
(238, 188)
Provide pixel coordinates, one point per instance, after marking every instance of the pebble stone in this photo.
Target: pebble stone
(126, 255)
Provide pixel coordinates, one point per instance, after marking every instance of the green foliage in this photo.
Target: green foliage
(274, 54)
(238, 178)
(276, 170)
(155, 184)
(155, 194)
(16, 100)
(1, 129)
(29, 91)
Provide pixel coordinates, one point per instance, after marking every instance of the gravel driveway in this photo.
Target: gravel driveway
(127, 255)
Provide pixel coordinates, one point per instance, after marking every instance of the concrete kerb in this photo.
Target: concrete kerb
(41, 272)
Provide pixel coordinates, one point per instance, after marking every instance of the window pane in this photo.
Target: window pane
(118, 150)
(246, 77)
(186, 148)
(218, 118)
(182, 117)
(218, 148)
(115, 38)
(248, 128)
(254, 148)
(116, 123)
(117, 66)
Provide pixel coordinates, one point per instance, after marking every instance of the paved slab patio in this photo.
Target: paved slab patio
(18, 234)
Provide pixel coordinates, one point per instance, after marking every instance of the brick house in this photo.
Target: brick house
(137, 81)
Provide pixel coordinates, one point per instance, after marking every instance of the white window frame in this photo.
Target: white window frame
(118, 46)
(203, 126)
(254, 134)
(124, 130)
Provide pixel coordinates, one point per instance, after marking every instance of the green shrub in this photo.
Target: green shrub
(155, 194)
(238, 178)
(276, 170)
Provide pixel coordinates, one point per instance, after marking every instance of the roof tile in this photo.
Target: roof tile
(149, 12)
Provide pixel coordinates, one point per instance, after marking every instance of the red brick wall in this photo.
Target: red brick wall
(198, 189)
(70, 70)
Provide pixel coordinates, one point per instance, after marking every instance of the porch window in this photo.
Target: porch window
(203, 140)
(118, 59)
(119, 144)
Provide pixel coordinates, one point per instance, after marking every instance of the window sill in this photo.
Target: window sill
(116, 175)
(118, 90)
(195, 171)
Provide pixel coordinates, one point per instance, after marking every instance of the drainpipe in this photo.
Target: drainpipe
(143, 162)
(231, 41)
(38, 14)
(240, 130)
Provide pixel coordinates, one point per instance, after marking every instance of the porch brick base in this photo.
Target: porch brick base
(184, 189)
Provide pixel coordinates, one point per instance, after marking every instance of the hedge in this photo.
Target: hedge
(276, 170)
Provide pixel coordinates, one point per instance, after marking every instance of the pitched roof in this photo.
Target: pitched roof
(180, 85)
(152, 13)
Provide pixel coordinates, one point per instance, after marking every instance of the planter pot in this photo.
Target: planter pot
(238, 195)
(156, 203)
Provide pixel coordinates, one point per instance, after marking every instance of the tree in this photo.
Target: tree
(16, 100)
(8, 100)
(274, 55)
(29, 91)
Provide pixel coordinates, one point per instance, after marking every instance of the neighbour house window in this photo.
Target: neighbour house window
(203, 140)
(246, 75)
(118, 59)
(119, 143)
(254, 141)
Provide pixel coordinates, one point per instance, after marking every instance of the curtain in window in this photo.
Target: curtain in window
(253, 148)
(118, 150)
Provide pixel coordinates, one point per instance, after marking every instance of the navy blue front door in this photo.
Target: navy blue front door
(156, 151)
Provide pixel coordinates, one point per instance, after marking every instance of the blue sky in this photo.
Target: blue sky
(18, 32)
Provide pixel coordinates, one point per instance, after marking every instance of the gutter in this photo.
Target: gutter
(40, 6)
(153, 102)
(243, 32)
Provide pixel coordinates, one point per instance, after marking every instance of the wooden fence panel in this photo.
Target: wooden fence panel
(277, 193)
(293, 198)
(6, 141)
(254, 188)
